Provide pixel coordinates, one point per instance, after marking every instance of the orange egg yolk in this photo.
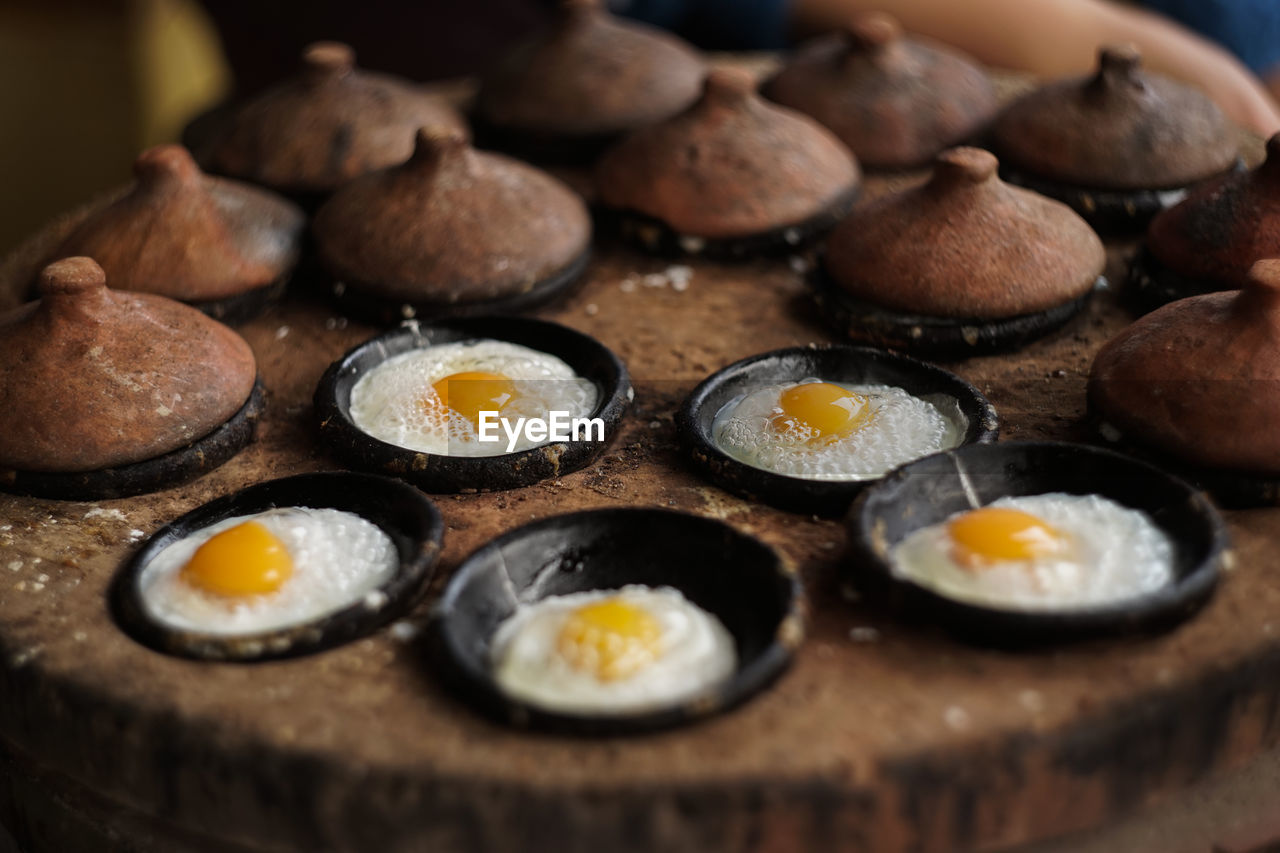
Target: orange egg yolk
(610, 639)
(472, 392)
(243, 560)
(991, 535)
(826, 410)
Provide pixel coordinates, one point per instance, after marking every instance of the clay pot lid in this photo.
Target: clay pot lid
(1200, 378)
(964, 244)
(590, 74)
(895, 101)
(1221, 229)
(1118, 128)
(731, 166)
(451, 225)
(92, 378)
(326, 125)
(180, 233)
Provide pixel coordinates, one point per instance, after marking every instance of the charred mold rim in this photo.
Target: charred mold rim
(450, 474)
(363, 301)
(1110, 212)
(244, 306)
(550, 147)
(753, 590)
(654, 236)
(402, 512)
(947, 338)
(928, 491)
(149, 475)
(1151, 284)
(833, 362)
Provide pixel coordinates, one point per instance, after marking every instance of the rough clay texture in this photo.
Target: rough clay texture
(894, 100)
(327, 125)
(637, 75)
(1218, 231)
(885, 736)
(451, 225)
(964, 244)
(733, 165)
(92, 378)
(179, 233)
(1176, 376)
(1120, 128)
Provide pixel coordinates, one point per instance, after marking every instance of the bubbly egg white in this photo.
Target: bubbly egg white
(698, 653)
(338, 559)
(903, 428)
(387, 401)
(1115, 553)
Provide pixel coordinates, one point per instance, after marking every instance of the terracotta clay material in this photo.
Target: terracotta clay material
(1209, 241)
(1173, 379)
(946, 262)
(1117, 144)
(896, 102)
(570, 91)
(92, 378)
(733, 170)
(452, 230)
(328, 124)
(220, 245)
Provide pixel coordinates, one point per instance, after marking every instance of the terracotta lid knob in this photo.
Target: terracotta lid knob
(1265, 275)
(1118, 64)
(71, 276)
(872, 31)
(328, 60)
(728, 86)
(164, 163)
(963, 165)
(436, 145)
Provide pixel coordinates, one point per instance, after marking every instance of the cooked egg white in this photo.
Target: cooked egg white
(271, 570)
(1042, 552)
(818, 430)
(429, 399)
(611, 651)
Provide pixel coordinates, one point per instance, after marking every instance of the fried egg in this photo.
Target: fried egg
(611, 651)
(818, 430)
(270, 570)
(1041, 552)
(430, 399)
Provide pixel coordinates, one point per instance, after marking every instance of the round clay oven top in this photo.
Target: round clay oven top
(965, 245)
(327, 124)
(182, 234)
(451, 225)
(1120, 128)
(1200, 378)
(93, 378)
(895, 101)
(733, 165)
(1221, 229)
(591, 74)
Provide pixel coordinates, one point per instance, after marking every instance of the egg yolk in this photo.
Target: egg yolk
(243, 560)
(999, 534)
(610, 639)
(472, 392)
(826, 410)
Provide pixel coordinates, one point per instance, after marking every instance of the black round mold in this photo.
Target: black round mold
(243, 306)
(1109, 212)
(835, 363)
(449, 474)
(929, 491)
(150, 475)
(540, 146)
(945, 338)
(745, 583)
(360, 300)
(654, 236)
(1151, 284)
(402, 512)
(1231, 487)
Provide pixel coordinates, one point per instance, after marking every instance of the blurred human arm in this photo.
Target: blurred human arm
(1060, 37)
